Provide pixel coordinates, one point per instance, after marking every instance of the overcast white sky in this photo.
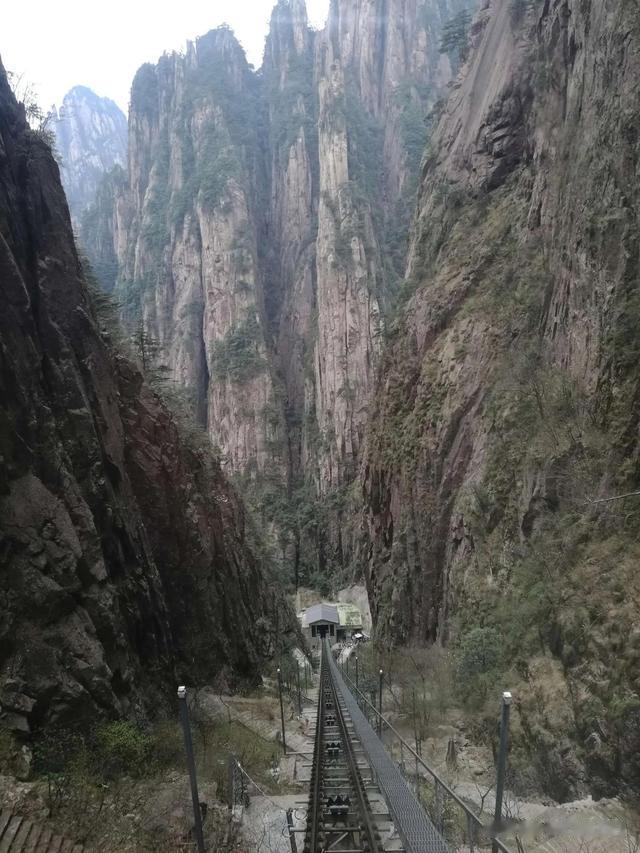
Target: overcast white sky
(58, 44)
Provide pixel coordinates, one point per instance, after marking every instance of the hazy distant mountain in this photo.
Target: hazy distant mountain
(91, 135)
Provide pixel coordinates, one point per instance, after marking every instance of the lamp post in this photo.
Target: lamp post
(191, 766)
(502, 764)
(299, 690)
(284, 741)
(292, 832)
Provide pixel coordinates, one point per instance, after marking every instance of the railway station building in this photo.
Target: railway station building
(336, 622)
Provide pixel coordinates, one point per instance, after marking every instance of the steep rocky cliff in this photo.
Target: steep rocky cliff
(91, 138)
(124, 559)
(190, 268)
(262, 235)
(508, 393)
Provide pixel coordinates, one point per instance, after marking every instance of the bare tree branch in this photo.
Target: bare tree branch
(615, 498)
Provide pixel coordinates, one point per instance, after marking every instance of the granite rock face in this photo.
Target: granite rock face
(507, 400)
(263, 230)
(124, 563)
(91, 138)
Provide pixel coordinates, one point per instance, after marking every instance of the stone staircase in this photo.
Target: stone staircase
(21, 835)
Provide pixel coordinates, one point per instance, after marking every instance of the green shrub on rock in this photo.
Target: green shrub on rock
(122, 748)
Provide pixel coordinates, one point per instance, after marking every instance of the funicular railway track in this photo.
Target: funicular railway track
(339, 817)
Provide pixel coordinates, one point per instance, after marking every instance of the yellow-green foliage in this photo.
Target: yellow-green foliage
(122, 748)
(114, 749)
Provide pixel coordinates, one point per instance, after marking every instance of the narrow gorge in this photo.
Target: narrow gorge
(352, 333)
(260, 238)
(434, 403)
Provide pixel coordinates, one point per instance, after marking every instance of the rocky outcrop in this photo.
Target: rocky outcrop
(265, 224)
(91, 138)
(507, 399)
(188, 249)
(125, 560)
(375, 77)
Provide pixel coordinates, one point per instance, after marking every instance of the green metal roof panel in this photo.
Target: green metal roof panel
(349, 616)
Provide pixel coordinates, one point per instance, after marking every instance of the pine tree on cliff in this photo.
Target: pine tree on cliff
(149, 352)
(455, 36)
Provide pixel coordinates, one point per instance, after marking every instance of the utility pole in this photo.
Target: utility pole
(356, 671)
(380, 707)
(191, 766)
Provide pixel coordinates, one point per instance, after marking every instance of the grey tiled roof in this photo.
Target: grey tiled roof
(322, 613)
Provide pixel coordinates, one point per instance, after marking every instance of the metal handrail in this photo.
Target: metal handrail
(418, 757)
(467, 810)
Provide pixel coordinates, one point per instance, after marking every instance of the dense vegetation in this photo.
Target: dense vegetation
(238, 355)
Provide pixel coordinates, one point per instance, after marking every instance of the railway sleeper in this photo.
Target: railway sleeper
(340, 817)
